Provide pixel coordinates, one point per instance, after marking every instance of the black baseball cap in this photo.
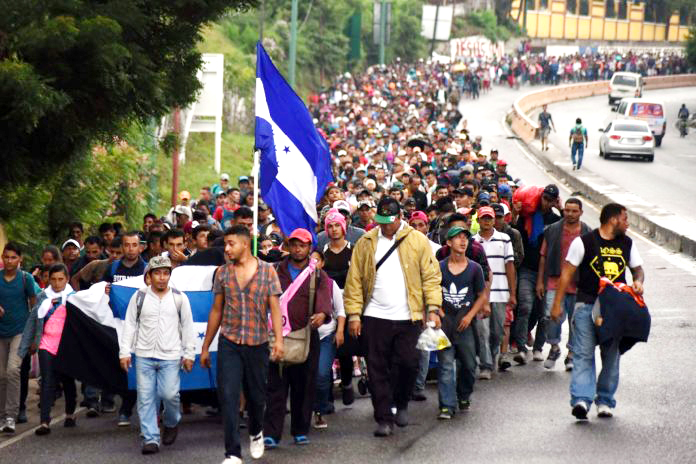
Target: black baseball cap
(552, 191)
(388, 210)
(498, 208)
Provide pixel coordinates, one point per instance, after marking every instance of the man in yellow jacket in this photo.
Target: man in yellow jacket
(393, 280)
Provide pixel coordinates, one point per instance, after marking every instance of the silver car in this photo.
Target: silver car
(627, 137)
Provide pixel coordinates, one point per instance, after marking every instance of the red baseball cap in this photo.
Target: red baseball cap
(485, 211)
(502, 162)
(418, 215)
(302, 235)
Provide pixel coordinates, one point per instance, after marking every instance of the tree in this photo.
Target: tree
(77, 72)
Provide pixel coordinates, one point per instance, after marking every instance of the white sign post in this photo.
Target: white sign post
(205, 115)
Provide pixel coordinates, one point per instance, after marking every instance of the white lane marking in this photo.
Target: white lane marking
(26, 433)
(677, 259)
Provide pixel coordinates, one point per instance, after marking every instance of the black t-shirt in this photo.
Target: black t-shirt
(603, 258)
(421, 200)
(336, 264)
(461, 290)
(118, 271)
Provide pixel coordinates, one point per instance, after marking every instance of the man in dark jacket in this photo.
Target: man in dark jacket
(298, 379)
(554, 248)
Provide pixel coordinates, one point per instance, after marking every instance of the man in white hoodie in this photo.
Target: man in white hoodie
(159, 329)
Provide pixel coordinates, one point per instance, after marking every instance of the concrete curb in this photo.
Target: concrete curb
(650, 221)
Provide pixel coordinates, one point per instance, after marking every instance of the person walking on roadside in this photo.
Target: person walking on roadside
(603, 252)
(463, 296)
(578, 142)
(246, 289)
(18, 291)
(392, 279)
(554, 247)
(314, 295)
(545, 125)
(158, 329)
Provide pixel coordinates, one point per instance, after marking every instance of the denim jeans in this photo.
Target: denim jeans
(497, 327)
(327, 354)
(464, 350)
(483, 332)
(526, 294)
(241, 367)
(552, 328)
(578, 148)
(157, 381)
(423, 367)
(584, 384)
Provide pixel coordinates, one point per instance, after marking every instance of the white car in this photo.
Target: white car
(627, 137)
(645, 109)
(625, 84)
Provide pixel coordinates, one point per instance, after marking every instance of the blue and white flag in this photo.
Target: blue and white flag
(94, 323)
(295, 158)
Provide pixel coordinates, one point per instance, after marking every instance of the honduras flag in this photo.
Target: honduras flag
(295, 159)
(89, 346)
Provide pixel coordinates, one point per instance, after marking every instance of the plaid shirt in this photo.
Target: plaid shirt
(245, 311)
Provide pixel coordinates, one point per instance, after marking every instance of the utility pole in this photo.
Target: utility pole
(382, 30)
(175, 160)
(262, 13)
(293, 43)
(432, 42)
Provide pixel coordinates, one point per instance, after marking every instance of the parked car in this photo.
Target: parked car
(627, 137)
(645, 109)
(623, 85)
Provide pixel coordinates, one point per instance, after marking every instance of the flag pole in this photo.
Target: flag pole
(255, 174)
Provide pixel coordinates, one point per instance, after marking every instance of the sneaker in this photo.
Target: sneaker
(445, 414)
(554, 354)
(504, 363)
(256, 446)
(92, 412)
(22, 416)
(301, 440)
(384, 430)
(123, 421)
(537, 355)
(319, 422)
(574, 168)
(520, 358)
(401, 417)
(42, 429)
(485, 374)
(108, 408)
(348, 395)
(604, 411)
(69, 422)
(580, 410)
(232, 460)
(568, 363)
(418, 395)
(464, 405)
(150, 448)
(169, 435)
(269, 443)
(530, 340)
(9, 425)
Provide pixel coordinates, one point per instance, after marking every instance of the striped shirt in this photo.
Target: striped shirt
(498, 252)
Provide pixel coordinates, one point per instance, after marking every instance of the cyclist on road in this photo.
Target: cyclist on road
(578, 142)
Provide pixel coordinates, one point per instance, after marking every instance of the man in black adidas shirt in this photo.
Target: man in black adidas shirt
(604, 252)
(463, 297)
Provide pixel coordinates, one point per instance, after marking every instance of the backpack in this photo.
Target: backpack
(578, 135)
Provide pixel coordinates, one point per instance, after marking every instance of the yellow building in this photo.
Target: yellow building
(601, 20)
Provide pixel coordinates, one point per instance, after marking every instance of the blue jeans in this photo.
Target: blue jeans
(553, 328)
(578, 148)
(157, 380)
(423, 367)
(327, 354)
(584, 384)
(526, 294)
(464, 350)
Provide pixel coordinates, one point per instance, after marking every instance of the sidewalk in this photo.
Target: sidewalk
(668, 229)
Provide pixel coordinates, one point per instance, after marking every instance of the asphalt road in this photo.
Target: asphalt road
(668, 182)
(522, 416)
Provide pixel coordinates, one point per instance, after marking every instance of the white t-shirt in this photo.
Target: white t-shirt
(327, 329)
(389, 298)
(576, 253)
(498, 252)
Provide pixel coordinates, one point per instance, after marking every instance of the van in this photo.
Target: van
(648, 110)
(625, 85)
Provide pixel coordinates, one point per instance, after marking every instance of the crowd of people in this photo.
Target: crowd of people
(420, 228)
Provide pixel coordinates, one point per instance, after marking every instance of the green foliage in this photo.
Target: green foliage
(73, 73)
(405, 41)
(691, 48)
(487, 23)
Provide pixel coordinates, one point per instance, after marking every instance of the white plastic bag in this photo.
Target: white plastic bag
(433, 339)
